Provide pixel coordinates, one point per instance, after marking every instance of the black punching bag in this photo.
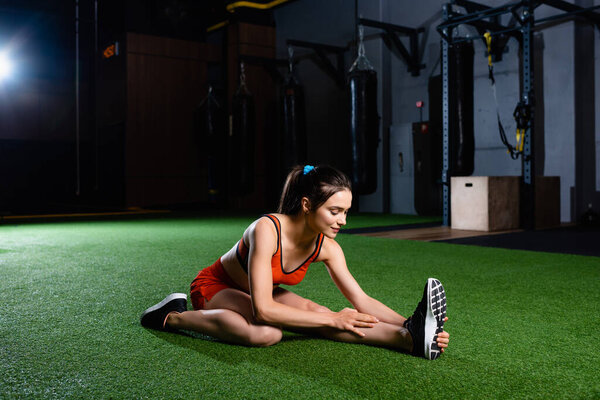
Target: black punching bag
(241, 140)
(294, 142)
(364, 123)
(461, 125)
(211, 128)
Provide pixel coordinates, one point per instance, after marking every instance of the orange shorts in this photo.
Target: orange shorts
(210, 281)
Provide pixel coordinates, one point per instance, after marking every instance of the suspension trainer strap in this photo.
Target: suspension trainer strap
(488, 42)
(514, 152)
(522, 115)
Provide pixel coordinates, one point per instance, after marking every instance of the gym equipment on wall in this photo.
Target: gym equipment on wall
(462, 136)
(294, 142)
(483, 17)
(321, 57)
(210, 122)
(404, 43)
(364, 122)
(391, 37)
(521, 114)
(242, 133)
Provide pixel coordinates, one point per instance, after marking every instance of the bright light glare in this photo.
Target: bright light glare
(5, 67)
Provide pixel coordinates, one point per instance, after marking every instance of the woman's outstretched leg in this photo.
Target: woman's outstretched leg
(382, 334)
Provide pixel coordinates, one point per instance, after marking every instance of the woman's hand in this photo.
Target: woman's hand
(443, 338)
(349, 319)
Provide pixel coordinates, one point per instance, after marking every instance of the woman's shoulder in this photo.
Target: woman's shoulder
(330, 249)
(263, 227)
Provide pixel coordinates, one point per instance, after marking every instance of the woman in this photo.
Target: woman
(238, 298)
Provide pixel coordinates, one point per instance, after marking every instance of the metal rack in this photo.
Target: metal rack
(521, 27)
(337, 72)
(391, 39)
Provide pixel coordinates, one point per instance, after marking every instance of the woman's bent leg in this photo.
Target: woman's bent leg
(227, 316)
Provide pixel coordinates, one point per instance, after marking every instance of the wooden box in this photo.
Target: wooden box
(485, 203)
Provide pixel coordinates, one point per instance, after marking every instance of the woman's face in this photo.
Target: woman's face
(331, 215)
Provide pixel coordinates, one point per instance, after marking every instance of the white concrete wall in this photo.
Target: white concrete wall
(559, 100)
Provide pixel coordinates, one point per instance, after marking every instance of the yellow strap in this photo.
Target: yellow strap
(488, 41)
(231, 7)
(217, 26)
(520, 139)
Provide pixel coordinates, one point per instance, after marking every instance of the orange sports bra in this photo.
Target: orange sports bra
(280, 276)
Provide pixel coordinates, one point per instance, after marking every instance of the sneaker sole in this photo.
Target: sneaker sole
(167, 299)
(434, 321)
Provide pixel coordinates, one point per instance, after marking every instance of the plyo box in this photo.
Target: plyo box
(485, 203)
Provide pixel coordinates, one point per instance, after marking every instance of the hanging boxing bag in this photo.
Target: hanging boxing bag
(294, 142)
(461, 125)
(364, 123)
(242, 137)
(211, 130)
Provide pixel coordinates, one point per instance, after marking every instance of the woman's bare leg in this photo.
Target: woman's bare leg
(382, 334)
(227, 316)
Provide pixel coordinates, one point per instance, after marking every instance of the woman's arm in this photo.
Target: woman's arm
(333, 257)
(263, 242)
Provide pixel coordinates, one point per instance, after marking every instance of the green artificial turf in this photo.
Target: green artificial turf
(367, 220)
(522, 324)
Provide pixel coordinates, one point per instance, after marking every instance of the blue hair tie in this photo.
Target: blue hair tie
(308, 168)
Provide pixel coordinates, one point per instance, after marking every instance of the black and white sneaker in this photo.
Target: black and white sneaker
(428, 320)
(155, 317)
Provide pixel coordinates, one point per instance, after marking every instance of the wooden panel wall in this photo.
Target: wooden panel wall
(166, 80)
(257, 41)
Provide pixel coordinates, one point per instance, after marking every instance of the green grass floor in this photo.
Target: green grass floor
(522, 324)
(365, 220)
